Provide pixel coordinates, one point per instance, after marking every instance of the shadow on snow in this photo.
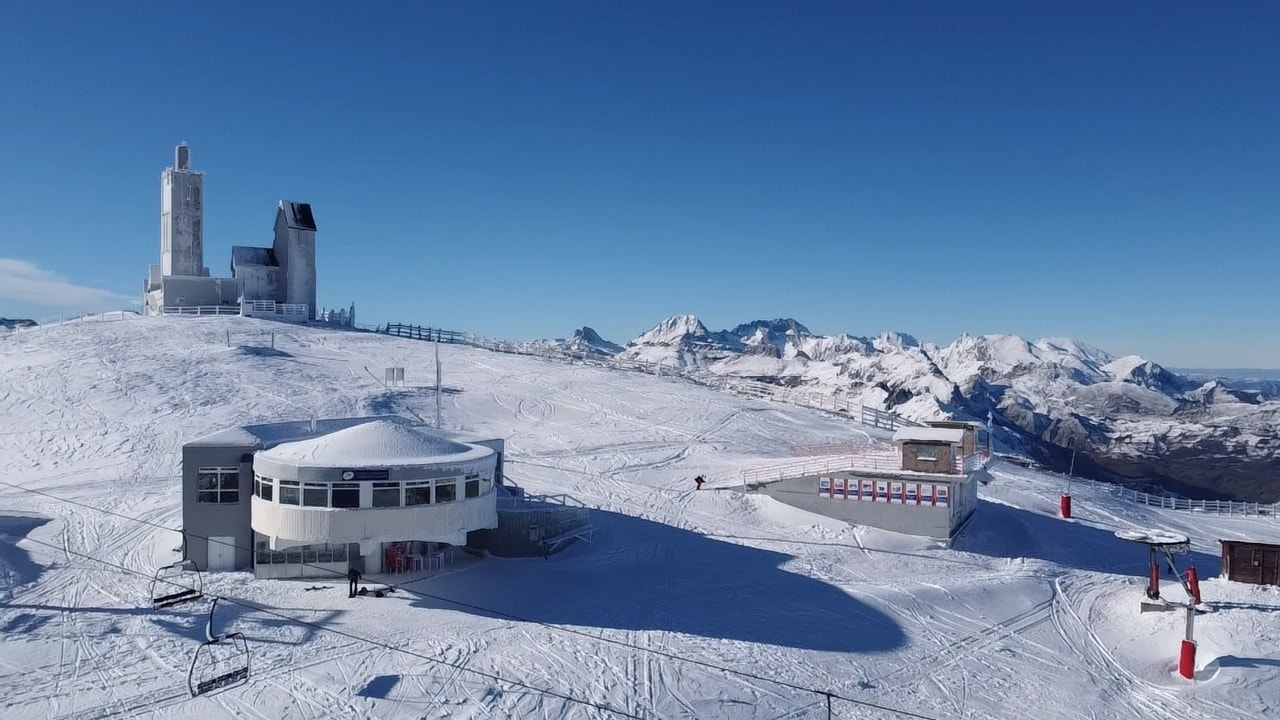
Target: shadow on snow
(642, 575)
(1005, 531)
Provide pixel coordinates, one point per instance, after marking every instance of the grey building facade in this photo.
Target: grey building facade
(934, 506)
(299, 499)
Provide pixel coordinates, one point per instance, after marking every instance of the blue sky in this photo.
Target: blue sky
(1104, 171)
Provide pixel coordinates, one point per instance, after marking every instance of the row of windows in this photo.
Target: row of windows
(219, 485)
(322, 553)
(384, 494)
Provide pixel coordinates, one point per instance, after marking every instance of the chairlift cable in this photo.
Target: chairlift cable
(359, 638)
(510, 616)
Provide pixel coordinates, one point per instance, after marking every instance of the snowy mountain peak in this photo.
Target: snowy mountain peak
(588, 340)
(1139, 371)
(889, 341)
(673, 331)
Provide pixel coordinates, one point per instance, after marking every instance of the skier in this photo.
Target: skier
(353, 577)
(699, 480)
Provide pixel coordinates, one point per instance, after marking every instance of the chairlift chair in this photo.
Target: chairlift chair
(221, 661)
(175, 584)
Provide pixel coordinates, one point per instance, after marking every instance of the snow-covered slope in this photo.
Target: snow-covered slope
(709, 604)
(1127, 418)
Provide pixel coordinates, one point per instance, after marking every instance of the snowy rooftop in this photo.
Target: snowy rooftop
(954, 436)
(376, 443)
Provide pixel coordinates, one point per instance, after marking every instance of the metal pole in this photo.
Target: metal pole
(437, 345)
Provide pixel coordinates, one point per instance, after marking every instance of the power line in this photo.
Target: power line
(359, 638)
(510, 616)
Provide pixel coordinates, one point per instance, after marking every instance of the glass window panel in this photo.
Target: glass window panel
(290, 495)
(207, 481)
(473, 488)
(446, 491)
(208, 496)
(266, 489)
(230, 497)
(229, 479)
(314, 495)
(386, 494)
(417, 493)
(346, 495)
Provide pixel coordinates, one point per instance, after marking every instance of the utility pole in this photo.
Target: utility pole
(437, 344)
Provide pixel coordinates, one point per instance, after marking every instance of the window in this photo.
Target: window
(473, 488)
(446, 490)
(386, 494)
(315, 495)
(417, 492)
(321, 553)
(346, 495)
(927, 452)
(265, 487)
(1257, 557)
(290, 494)
(219, 485)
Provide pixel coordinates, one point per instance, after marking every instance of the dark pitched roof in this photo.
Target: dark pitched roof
(298, 215)
(242, 255)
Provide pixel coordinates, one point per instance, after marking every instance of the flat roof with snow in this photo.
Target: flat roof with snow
(376, 443)
(952, 436)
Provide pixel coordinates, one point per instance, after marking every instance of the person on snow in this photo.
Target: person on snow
(699, 480)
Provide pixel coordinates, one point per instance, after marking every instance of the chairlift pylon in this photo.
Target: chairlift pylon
(221, 661)
(175, 584)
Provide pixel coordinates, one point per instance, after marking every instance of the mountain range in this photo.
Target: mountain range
(1068, 405)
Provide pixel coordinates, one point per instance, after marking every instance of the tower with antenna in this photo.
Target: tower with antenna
(182, 218)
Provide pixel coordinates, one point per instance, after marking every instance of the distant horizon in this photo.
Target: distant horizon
(1098, 171)
(1235, 373)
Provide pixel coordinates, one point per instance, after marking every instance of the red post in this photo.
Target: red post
(1187, 663)
(1153, 590)
(1066, 506)
(1194, 581)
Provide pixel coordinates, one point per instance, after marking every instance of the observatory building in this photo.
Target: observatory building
(277, 281)
(314, 499)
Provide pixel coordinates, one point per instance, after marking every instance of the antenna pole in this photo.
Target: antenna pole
(437, 344)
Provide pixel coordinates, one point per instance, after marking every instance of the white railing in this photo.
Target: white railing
(878, 461)
(200, 310)
(1138, 497)
(882, 461)
(273, 309)
(536, 502)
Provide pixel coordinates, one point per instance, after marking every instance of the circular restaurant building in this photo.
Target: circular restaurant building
(376, 494)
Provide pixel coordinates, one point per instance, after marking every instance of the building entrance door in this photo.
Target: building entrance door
(222, 554)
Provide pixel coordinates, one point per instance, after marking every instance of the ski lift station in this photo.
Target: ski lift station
(316, 498)
(926, 486)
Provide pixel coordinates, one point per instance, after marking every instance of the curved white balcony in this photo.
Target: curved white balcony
(288, 525)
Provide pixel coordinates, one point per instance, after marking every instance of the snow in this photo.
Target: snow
(374, 443)
(1122, 367)
(688, 604)
(1153, 537)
